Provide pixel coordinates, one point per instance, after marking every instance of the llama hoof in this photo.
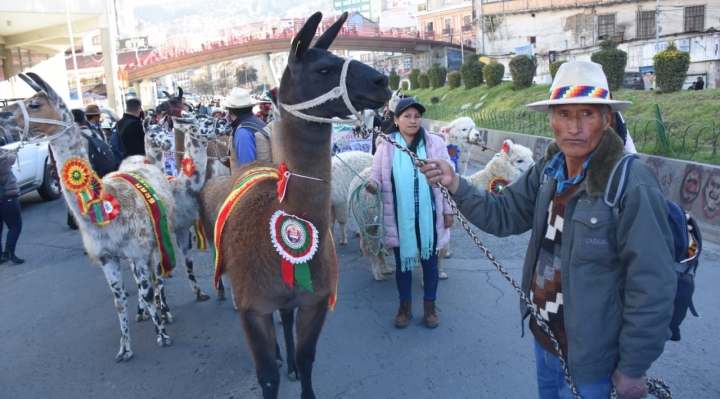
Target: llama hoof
(443, 276)
(448, 254)
(201, 296)
(164, 340)
(167, 318)
(123, 356)
(388, 271)
(293, 375)
(221, 296)
(380, 278)
(343, 242)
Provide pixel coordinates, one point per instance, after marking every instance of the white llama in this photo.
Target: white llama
(345, 167)
(506, 166)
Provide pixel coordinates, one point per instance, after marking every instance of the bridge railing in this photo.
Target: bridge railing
(675, 139)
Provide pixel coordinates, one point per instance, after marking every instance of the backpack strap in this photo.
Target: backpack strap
(254, 127)
(617, 182)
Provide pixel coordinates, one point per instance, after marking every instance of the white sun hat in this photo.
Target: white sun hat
(239, 98)
(579, 82)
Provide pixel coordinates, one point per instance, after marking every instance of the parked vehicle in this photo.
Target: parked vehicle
(34, 168)
(634, 81)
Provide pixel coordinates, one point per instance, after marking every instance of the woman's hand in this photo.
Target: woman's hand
(438, 170)
(371, 187)
(449, 219)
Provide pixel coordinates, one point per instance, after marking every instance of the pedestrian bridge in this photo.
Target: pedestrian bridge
(170, 60)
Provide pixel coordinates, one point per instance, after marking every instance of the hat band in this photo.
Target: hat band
(579, 91)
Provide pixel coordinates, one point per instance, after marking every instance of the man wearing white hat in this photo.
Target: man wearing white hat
(605, 284)
(250, 139)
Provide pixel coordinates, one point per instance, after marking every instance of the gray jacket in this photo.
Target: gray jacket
(618, 277)
(7, 178)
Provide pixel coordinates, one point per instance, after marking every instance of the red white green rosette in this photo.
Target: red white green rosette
(296, 240)
(496, 184)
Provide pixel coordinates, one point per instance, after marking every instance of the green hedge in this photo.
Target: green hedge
(454, 80)
(394, 80)
(414, 73)
(554, 66)
(404, 85)
(423, 81)
(493, 73)
(437, 75)
(522, 70)
(671, 66)
(613, 63)
(472, 71)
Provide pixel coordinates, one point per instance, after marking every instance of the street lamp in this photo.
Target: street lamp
(657, 22)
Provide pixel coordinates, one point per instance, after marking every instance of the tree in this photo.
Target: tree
(246, 75)
(437, 75)
(522, 70)
(393, 79)
(613, 63)
(454, 79)
(472, 71)
(423, 81)
(414, 83)
(671, 66)
(493, 73)
(554, 66)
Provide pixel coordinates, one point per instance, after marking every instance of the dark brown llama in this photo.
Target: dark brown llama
(249, 257)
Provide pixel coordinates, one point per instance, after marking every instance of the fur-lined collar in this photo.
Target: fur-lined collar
(607, 154)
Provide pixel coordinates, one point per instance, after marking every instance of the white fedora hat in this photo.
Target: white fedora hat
(239, 98)
(579, 82)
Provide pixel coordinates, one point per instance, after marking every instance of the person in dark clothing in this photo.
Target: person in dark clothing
(699, 83)
(249, 142)
(10, 213)
(130, 129)
(92, 113)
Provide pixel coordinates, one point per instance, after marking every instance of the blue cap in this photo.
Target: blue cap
(406, 103)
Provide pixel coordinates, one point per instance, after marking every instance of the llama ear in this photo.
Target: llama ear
(324, 41)
(506, 146)
(31, 83)
(52, 94)
(146, 123)
(180, 93)
(167, 94)
(301, 42)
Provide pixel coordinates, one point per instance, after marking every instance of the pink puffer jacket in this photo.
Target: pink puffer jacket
(382, 175)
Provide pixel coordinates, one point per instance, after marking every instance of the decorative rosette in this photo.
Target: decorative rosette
(111, 205)
(296, 240)
(496, 184)
(76, 174)
(188, 166)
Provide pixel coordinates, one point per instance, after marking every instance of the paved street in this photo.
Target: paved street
(59, 330)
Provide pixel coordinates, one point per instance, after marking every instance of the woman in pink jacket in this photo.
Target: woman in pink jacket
(416, 216)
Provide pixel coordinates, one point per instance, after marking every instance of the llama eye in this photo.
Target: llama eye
(324, 71)
(520, 161)
(34, 106)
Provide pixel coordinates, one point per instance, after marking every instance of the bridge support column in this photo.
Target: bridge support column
(107, 42)
(147, 93)
(270, 76)
(8, 67)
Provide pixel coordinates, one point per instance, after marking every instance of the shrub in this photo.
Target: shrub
(423, 81)
(454, 79)
(437, 75)
(404, 85)
(493, 73)
(522, 70)
(434, 100)
(613, 63)
(671, 66)
(554, 66)
(472, 71)
(393, 79)
(414, 73)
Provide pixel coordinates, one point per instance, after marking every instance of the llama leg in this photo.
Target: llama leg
(183, 239)
(341, 215)
(160, 300)
(442, 254)
(310, 321)
(221, 289)
(113, 275)
(287, 316)
(343, 234)
(141, 271)
(260, 335)
(383, 263)
(142, 314)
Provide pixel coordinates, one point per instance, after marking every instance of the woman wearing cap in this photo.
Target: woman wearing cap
(416, 217)
(603, 281)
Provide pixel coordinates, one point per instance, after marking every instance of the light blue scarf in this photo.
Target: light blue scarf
(405, 177)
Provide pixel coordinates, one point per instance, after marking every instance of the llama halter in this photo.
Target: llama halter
(338, 92)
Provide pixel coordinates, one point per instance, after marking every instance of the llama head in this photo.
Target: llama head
(44, 104)
(395, 99)
(215, 127)
(460, 130)
(517, 157)
(312, 72)
(156, 136)
(173, 106)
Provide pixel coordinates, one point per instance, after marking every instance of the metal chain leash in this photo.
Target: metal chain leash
(655, 386)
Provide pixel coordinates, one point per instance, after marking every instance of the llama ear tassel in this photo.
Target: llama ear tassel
(506, 147)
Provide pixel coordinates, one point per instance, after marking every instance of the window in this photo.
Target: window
(429, 27)
(96, 40)
(531, 39)
(448, 23)
(645, 23)
(606, 25)
(694, 19)
(467, 23)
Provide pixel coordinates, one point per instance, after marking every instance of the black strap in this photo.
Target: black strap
(255, 126)
(618, 179)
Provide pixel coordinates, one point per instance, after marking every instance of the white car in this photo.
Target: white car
(34, 169)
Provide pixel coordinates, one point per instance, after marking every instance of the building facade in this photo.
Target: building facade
(573, 29)
(369, 8)
(447, 20)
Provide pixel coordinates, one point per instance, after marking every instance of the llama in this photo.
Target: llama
(372, 249)
(506, 166)
(345, 167)
(116, 219)
(244, 249)
(462, 133)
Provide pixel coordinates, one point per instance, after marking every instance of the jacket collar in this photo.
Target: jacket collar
(607, 153)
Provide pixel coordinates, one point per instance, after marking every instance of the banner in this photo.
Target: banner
(343, 140)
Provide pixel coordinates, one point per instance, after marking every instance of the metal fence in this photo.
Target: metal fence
(675, 139)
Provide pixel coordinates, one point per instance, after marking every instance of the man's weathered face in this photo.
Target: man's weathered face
(578, 129)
